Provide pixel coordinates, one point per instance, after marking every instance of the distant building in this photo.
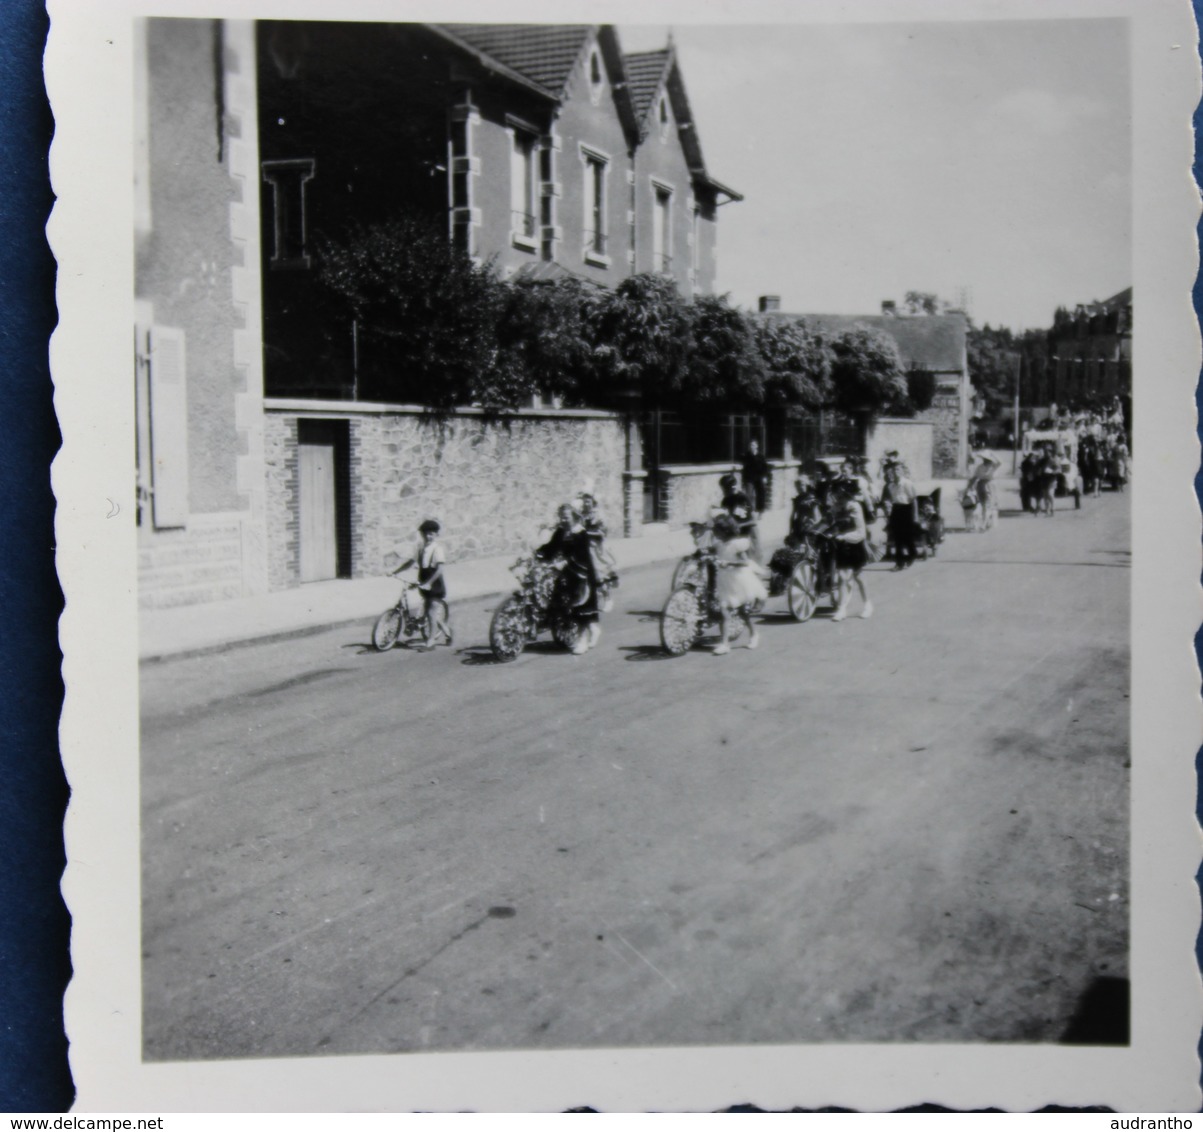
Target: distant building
(932, 342)
(1091, 350)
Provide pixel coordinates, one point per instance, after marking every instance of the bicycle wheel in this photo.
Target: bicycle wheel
(800, 592)
(387, 629)
(507, 630)
(679, 621)
(689, 571)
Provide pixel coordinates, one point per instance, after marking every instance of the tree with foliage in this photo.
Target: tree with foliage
(797, 363)
(545, 340)
(866, 373)
(920, 392)
(643, 338)
(426, 315)
(724, 367)
(993, 359)
(922, 302)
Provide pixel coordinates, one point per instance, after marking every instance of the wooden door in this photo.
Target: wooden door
(318, 522)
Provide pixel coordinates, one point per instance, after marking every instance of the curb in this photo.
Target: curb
(311, 630)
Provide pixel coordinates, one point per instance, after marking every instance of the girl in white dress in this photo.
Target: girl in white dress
(738, 585)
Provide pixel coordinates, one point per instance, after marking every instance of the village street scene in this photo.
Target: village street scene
(609, 573)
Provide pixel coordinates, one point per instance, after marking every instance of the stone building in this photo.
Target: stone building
(936, 343)
(198, 372)
(541, 149)
(1091, 350)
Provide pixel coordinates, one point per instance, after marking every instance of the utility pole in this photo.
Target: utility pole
(1015, 420)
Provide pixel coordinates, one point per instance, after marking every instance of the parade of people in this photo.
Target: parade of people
(842, 518)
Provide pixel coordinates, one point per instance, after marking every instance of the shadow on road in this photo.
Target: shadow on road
(360, 646)
(296, 682)
(1028, 562)
(1101, 1017)
(483, 655)
(477, 655)
(646, 652)
(777, 618)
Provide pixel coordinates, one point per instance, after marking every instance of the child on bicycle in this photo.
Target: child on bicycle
(430, 559)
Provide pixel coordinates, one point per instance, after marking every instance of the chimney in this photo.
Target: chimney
(770, 303)
(889, 307)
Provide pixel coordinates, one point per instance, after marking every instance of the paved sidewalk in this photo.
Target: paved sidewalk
(192, 629)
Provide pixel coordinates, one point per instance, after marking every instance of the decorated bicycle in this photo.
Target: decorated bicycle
(559, 591)
(800, 571)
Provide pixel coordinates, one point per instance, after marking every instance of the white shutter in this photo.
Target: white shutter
(168, 427)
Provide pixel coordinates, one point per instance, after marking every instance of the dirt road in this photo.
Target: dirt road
(907, 828)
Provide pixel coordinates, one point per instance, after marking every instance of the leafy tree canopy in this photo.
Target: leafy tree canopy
(993, 358)
(866, 372)
(920, 392)
(644, 336)
(797, 363)
(545, 340)
(922, 302)
(426, 315)
(724, 364)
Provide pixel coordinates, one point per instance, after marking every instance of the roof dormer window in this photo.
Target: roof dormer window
(595, 76)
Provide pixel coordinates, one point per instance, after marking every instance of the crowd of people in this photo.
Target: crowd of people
(823, 495)
(1088, 445)
(836, 507)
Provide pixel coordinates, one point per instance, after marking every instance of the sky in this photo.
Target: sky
(981, 160)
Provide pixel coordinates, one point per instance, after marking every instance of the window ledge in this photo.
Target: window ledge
(597, 259)
(526, 243)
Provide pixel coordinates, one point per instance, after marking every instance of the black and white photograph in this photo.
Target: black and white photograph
(635, 543)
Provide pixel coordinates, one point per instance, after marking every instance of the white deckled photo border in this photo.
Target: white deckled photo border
(89, 75)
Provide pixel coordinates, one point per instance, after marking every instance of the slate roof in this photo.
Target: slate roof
(933, 342)
(543, 53)
(542, 57)
(645, 71)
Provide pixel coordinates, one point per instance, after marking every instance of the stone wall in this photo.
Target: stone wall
(283, 524)
(492, 484)
(912, 439)
(688, 492)
(947, 421)
(782, 474)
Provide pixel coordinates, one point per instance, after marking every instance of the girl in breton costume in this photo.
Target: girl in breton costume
(738, 586)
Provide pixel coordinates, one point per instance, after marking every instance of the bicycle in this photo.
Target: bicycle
(692, 609)
(403, 621)
(542, 601)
